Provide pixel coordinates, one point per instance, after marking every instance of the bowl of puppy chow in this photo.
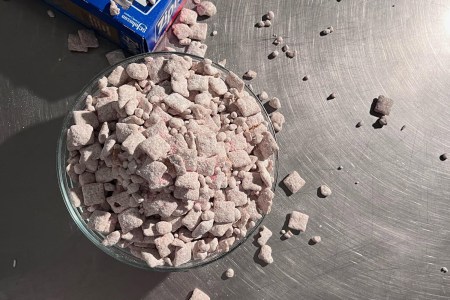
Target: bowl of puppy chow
(167, 161)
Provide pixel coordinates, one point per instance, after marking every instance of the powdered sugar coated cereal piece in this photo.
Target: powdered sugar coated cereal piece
(275, 103)
(239, 158)
(188, 16)
(199, 31)
(198, 83)
(229, 273)
(197, 48)
(206, 144)
(191, 220)
(113, 9)
(264, 201)
(316, 239)
(177, 102)
(163, 204)
(268, 146)
(288, 234)
(250, 74)
(183, 255)
(264, 235)
(179, 84)
(118, 76)
(119, 202)
(76, 196)
(124, 130)
(188, 181)
(278, 120)
(206, 8)
(163, 227)
(238, 197)
(102, 221)
(218, 86)
(85, 117)
(294, 182)
(162, 244)
(150, 256)
(181, 31)
(265, 254)
(202, 228)
(325, 191)
(74, 43)
(50, 13)
(111, 239)
(298, 221)
(88, 38)
(130, 219)
(132, 142)
(248, 106)
(137, 71)
(223, 211)
(93, 193)
(155, 147)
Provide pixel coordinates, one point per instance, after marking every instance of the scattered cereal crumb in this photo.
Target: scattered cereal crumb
(325, 191)
(270, 15)
(278, 40)
(283, 231)
(383, 121)
(444, 270)
(250, 74)
(263, 96)
(274, 54)
(331, 96)
(403, 128)
(359, 124)
(288, 234)
(198, 294)
(285, 48)
(214, 33)
(305, 78)
(443, 157)
(259, 24)
(294, 182)
(275, 103)
(229, 273)
(50, 13)
(222, 62)
(74, 43)
(291, 53)
(316, 239)
(267, 23)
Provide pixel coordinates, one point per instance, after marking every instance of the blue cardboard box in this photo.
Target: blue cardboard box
(137, 28)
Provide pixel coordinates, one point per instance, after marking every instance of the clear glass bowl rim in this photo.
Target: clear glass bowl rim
(65, 183)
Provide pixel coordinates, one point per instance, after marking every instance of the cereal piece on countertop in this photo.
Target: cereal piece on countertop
(274, 54)
(325, 191)
(181, 31)
(113, 9)
(316, 239)
(275, 103)
(259, 24)
(229, 273)
(206, 8)
(137, 71)
(383, 105)
(263, 96)
(265, 254)
(74, 43)
(115, 56)
(50, 13)
(102, 221)
(111, 239)
(382, 120)
(250, 74)
(199, 31)
(93, 193)
(278, 120)
(288, 234)
(188, 16)
(267, 23)
(264, 235)
(291, 53)
(88, 38)
(298, 221)
(130, 219)
(197, 48)
(294, 182)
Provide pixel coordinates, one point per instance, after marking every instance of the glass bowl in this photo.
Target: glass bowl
(65, 183)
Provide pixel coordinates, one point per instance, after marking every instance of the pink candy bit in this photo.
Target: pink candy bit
(298, 221)
(294, 182)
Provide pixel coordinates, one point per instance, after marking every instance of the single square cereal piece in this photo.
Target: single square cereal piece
(74, 43)
(163, 204)
(294, 182)
(124, 130)
(265, 254)
(177, 102)
(267, 146)
(217, 85)
(188, 16)
(102, 221)
(239, 158)
(224, 211)
(178, 64)
(106, 111)
(206, 144)
(111, 239)
(85, 117)
(137, 71)
(88, 38)
(248, 106)
(155, 147)
(183, 255)
(93, 193)
(126, 93)
(383, 105)
(76, 196)
(199, 31)
(234, 81)
(86, 178)
(115, 56)
(79, 135)
(264, 235)
(238, 197)
(119, 202)
(130, 219)
(198, 294)
(118, 76)
(132, 142)
(181, 31)
(199, 83)
(264, 201)
(188, 181)
(163, 227)
(197, 48)
(191, 220)
(298, 221)
(152, 171)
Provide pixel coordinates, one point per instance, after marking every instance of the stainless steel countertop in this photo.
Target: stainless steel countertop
(384, 238)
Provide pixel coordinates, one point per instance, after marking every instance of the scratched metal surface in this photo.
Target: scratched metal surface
(384, 238)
